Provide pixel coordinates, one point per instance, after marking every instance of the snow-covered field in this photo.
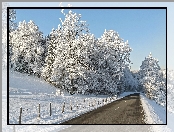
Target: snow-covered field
(28, 92)
(21, 128)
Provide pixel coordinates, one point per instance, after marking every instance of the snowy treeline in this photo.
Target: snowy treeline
(71, 58)
(131, 80)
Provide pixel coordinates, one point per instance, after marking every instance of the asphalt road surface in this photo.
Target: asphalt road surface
(127, 110)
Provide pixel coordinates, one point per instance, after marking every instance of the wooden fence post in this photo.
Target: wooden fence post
(50, 109)
(71, 104)
(63, 107)
(20, 115)
(71, 107)
(19, 119)
(39, 109)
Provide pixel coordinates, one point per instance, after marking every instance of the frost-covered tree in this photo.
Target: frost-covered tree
(52, 42)
(67, 51)
(76, 60)
(108, 58)
(161, 84)
(152, 81)
(149, 67)
(27, 48)
(149, 71)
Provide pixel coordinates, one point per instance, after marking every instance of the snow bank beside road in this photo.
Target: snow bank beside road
(155, 114)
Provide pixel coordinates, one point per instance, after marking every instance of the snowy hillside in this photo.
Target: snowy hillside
(23, 84)
(28, 92)
(22, 128)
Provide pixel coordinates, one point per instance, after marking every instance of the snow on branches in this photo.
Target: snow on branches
(130, 80)
(71, 58)
(26, 48)
(76, 60)
(153, 80)
(108, 56)
(67, 50)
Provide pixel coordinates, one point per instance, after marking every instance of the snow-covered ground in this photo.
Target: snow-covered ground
(22, 128)
(155, 113)
(28, 92)
(170, 107)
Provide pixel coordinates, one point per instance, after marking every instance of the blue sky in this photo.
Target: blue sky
(145, 29)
